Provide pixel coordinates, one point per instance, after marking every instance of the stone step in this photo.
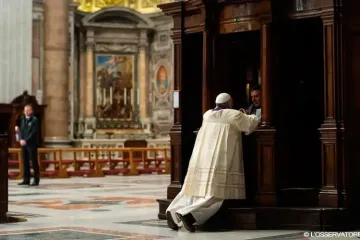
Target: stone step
(276, 218)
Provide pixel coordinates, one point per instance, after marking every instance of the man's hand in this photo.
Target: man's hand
(22, 142)
(243, 111)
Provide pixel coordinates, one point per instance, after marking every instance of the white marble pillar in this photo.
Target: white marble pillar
(15, 48)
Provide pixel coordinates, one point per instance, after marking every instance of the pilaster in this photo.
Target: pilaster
(332, 130)
(82, 84)
(89, 121)
(209, 32)
(38, 51)
(266, 195)
(176, 171)
(72, 86)
(143, 75)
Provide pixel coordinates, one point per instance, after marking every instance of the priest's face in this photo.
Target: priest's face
(255, 98)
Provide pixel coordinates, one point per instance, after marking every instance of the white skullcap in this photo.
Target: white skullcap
(222, 98)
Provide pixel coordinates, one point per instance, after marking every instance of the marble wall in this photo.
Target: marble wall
(15, 48)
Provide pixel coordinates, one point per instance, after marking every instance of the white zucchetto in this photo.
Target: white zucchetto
(222, 98)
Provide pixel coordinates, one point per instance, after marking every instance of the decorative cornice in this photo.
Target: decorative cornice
(38, 2)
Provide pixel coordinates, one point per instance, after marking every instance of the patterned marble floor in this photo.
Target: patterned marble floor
(107, 208)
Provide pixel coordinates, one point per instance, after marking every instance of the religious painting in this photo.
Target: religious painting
(114, 86)
(162, 82)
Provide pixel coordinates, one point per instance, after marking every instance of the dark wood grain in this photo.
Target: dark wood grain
(3, 177)
(306, 149)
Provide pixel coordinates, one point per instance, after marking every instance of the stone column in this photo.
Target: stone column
(82, 85)
(56, 29)
(143, 77)
(89, 95)
(72, 85)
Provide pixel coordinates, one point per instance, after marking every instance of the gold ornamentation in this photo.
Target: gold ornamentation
(143, 6)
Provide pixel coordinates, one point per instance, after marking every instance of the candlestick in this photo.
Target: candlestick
(111, 95)
(125, 97)
(98, 96)
(104, 96)
(138, 97)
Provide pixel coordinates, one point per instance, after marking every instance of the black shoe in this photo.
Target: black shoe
(34, 184)
(188, 220)
(24, 183)
(170, 222)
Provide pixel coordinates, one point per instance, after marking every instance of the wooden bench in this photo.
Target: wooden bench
(91, 162)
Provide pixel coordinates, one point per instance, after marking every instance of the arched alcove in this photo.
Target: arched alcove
(116, 53)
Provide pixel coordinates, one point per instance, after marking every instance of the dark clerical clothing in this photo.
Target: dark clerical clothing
(252, 109)
(29, 131)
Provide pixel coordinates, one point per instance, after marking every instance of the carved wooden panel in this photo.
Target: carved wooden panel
(266, 162)
(243, 17)
(266, 152)
(242, 10)
(266, 195)
(308, 5)
(329, 164)
(239, 18)
(302, 8)
(193, 21)
(175, 151)
(238, 26)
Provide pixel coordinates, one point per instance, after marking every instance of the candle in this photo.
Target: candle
(111, 95)
(138, 97)
(125, 97)
(98, 96)
(104, 96)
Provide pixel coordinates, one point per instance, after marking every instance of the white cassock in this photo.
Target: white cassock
(215, 170)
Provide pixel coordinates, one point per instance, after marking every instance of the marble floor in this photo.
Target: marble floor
(117, 207)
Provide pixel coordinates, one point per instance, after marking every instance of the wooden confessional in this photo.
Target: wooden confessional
(301, 166)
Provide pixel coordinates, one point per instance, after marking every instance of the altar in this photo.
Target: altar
(304, 151)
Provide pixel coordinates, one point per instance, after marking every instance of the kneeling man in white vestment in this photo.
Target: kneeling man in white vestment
(215, 170)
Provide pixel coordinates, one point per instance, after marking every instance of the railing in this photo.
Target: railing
(92, 162)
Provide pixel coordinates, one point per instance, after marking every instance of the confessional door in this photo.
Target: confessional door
(298, 104)
(237, 64)
(191, 90)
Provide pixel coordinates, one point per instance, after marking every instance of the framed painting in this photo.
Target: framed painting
(162, 82)
(115, 86)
